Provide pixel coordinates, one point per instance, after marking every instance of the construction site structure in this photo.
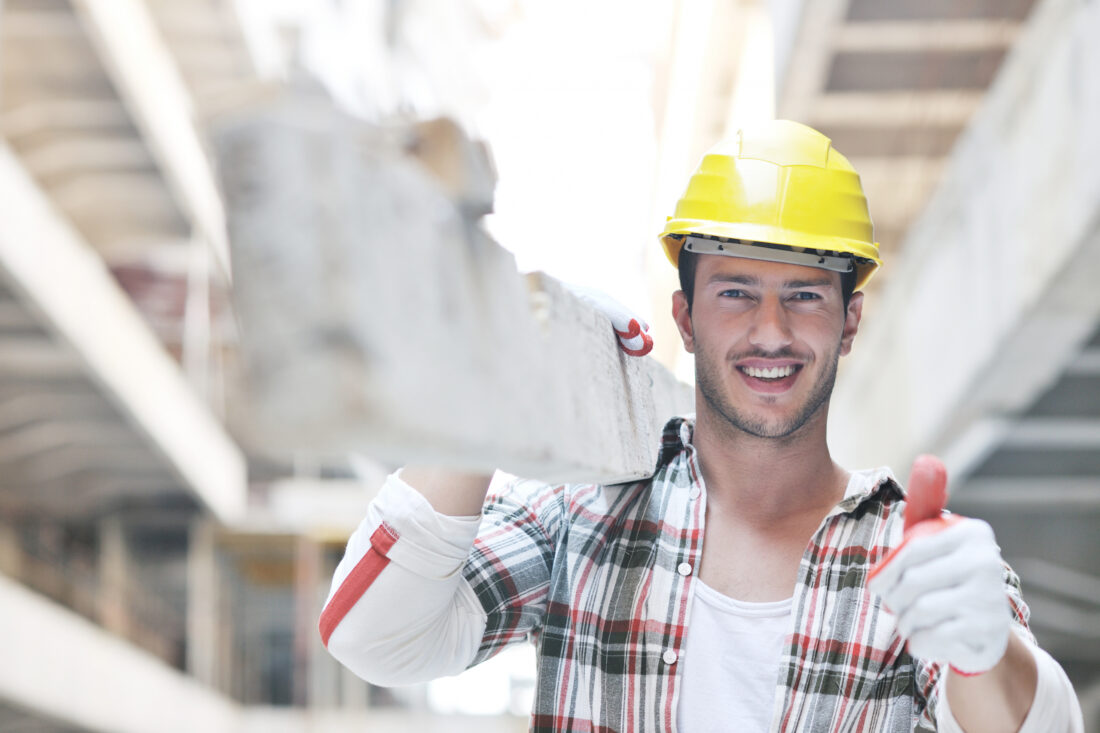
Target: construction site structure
(205, 280)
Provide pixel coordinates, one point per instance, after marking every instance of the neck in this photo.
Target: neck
(767, 482)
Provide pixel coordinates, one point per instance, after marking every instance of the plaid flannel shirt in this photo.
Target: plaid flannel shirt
(601, 578)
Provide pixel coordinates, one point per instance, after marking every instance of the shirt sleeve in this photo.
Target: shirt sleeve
(1054, 710)
(399, 610)
(513, 562)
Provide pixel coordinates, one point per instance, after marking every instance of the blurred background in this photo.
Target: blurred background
(156, 573)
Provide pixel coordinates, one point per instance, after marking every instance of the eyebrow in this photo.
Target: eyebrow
(755, 282)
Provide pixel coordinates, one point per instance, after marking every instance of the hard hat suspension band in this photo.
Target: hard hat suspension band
(766, 252)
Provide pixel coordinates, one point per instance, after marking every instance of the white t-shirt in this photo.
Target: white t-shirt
(730, 663)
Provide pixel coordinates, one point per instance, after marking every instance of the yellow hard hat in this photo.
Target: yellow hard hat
(780, 183)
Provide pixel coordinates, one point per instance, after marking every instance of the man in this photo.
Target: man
(729, 592)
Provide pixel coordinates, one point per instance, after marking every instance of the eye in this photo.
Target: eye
(805, 295)
(732, 293)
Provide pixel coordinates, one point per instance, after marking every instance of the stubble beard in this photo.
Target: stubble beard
(708, 381)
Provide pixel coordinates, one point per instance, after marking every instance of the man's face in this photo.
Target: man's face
(767, 338)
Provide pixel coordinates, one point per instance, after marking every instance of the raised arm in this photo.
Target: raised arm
(399, 610)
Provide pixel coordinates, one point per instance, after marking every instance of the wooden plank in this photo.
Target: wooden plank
(378, 317)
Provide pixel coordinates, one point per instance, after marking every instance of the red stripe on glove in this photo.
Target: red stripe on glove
(634, 329)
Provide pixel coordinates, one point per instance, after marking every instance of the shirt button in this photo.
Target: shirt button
(684, 568)
(695, 491)
(669, 656)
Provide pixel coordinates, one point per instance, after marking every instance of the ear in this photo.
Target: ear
(851, 323)
(682, 315)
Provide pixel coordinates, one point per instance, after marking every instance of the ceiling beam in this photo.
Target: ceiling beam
(37, 356)
(895, 109)
(1059, 579)
(44, 260)
(803, 71)
(149, 82)
(100, 669)
(1062, 432)
(70, 154)
(1056, 615)
(1087, 363)
(954, 35)
(1046, 493)
(977, 324)
(42, 116)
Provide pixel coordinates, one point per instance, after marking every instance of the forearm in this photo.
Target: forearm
(1040, 686)
(399, 610)
(452, 493)
(997, 700)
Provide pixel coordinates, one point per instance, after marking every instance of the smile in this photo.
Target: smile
(778, 372)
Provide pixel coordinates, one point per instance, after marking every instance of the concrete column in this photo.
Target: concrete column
(114, 576)
(203, 599)
(307, 646)
(11, 554)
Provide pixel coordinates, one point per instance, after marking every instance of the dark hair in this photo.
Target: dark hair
(689, 261)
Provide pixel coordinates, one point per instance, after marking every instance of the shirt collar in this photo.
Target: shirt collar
(863, 486)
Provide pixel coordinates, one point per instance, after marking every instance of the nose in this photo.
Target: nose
(770, 331)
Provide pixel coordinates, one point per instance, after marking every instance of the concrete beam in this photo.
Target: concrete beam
(1066, 618)
(149, 82)
(1087, 363)
(1055, 494)
(378, 317)
(994, 293)
(1054, 433)
(894, 109)
(1059, 580)
(953, 35)
(37, 356)
(289, 720)
(324, 509)
(96, 681)
(802, 66)
(100, 683)
(131, 366)
(45, 116)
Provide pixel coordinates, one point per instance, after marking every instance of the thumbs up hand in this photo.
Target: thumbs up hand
(944, 581)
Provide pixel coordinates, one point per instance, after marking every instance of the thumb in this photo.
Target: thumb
(927, 495)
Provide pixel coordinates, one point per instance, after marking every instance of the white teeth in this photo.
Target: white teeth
(770, 372)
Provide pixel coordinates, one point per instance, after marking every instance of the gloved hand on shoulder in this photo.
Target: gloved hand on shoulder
(632, 331)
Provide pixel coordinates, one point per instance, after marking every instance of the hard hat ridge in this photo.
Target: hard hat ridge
(778, 183)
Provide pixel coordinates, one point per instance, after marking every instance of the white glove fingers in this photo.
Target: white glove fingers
(929, 611)
(923, 549)
(940, 573)
(916, 582)
(964, 642)
(914, 552)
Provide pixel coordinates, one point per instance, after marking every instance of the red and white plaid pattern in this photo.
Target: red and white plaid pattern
(590, 574)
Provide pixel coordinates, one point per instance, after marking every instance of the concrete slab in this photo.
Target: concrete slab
(378, 316)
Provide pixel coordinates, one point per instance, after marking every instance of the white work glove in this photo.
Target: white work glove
(632, 331)
(944, 582)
